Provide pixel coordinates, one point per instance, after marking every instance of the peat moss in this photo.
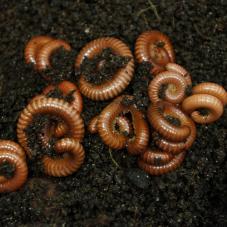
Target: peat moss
(100, 192)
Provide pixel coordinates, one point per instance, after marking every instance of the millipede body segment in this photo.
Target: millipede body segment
(50, 106)
(156, 48)
(119, 81)
(12, 153)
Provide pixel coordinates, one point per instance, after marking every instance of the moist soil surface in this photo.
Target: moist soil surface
(109, 189)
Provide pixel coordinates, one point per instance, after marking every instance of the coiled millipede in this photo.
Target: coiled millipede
(73, 158)
(33, 46)
(169, 137)
(173, 67)
(157, 162)
(175, 90)
(76, 101)
(58, 108)
(209, 96)
(117, 139)
(14, 155)
(122, 123)
(119, 81)
(156, 48)
(39, 49)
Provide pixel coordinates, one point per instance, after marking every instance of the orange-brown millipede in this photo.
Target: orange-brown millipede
(121, 122)
(43, 55)
(174, 163)
(116, 140)
(156, 48)
(50, 106)
(72, 158)
(173, 67)
(176, 87)
(193, 103)
(156, 157)
(177, 147)
(156, 116)
(211, 89)
(120, 79)
(13, 154)
(34, 45)
(139, 142)
(67, 88)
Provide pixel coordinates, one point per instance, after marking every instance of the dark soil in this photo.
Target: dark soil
(109, 190)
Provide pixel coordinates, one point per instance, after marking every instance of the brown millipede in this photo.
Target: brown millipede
(211, 89)
(156, 157)
(175, 92)
(139, 142)
(156, 48)
(116, 140)
(67, 88)
(118, 82)
(173, 67)
(34, 45)
(176, 147)
(156, 116)
(174, 163)
(13, 154)
(43, 55)
(50, 106)
(70, 162)
(203, 101)
(121, 122)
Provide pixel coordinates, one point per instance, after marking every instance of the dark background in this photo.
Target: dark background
(100, 194)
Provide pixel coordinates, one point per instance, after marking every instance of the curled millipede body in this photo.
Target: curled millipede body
(43, 55)
(211, 89)
(209, 96)
(33, 46)
(117, 140)
(156, 116)
(156, 157)
(54, 107)
(72, 158)
(67, 88)
(145, 162)
(193, 103)
(121, 122)
(176, 87)
(156, 48)
(177, 147)
(13, 154)
(120, 79)
(173, 67)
